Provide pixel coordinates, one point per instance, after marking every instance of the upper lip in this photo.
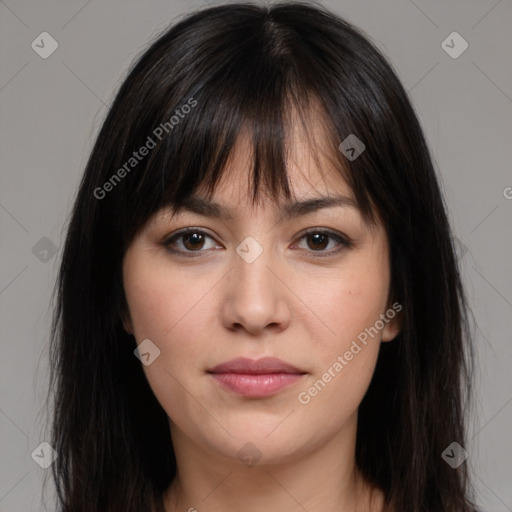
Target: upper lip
(261, 366)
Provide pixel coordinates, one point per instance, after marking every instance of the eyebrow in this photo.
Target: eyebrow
(291, 210)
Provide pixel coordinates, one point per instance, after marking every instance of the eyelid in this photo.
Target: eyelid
(344, 241)
(166, 242)
(327, 231)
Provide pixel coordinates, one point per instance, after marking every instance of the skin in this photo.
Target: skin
(289, 303)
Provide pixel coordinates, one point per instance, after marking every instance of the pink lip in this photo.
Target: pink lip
(256, 379)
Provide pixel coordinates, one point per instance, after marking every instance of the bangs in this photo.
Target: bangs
(196, 108)
(267, 133)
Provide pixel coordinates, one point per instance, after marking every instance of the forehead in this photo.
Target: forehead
(311, 172)
(316, 172)
(315, 183)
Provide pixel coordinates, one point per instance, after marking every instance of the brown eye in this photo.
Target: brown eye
(317, 241)
(189, 241)
(193, 241)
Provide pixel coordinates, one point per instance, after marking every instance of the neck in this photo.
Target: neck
(324, 478)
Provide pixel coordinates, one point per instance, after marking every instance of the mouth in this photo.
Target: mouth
(256, 378)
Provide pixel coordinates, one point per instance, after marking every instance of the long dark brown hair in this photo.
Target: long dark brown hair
(217, 72)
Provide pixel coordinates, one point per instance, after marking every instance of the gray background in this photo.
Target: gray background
(51, 110)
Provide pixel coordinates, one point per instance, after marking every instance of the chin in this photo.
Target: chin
(250, 445)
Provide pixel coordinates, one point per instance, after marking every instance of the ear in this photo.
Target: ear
(393, 326)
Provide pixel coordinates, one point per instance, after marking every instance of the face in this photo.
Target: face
(310, 290)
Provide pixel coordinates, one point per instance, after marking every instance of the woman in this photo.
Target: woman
(259, 304)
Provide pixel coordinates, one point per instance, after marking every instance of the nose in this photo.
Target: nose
(256, 296)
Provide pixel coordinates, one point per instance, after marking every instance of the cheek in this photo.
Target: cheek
(345, 359)
(336, 392)
(175, 310)
(348, 308)
(345, 306)
(170, 310)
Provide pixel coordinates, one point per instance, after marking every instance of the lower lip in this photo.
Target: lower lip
(256, 386)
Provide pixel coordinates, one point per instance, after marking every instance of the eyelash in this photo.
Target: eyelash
(344, 242)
